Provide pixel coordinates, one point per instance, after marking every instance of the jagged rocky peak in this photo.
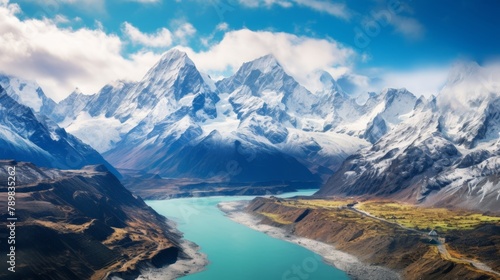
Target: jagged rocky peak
(77, 96)
(468, 85)
(264, 73)
(469, 104)
(264, 64)
(389, 95)
(329, 83)
(462, 70)
(175, 73)
(171, 60)
(28, 93)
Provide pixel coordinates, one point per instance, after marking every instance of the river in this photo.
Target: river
(238, 252)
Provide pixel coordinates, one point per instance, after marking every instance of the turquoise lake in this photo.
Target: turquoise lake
(237, 252)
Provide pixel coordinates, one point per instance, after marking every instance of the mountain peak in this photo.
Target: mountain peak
(171, 60)
(390, 93)
(462, 70)
(329, 83)
(174, 54)
(76, 92)
(467, 86)
(171, 64)
(265, 64)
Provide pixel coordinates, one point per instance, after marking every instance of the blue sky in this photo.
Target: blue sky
(366, 45)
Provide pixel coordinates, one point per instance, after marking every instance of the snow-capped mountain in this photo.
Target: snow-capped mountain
(259, 124)
(70, 106)
(29, 136)
(377, 116)
(28, 93)
(446, 151)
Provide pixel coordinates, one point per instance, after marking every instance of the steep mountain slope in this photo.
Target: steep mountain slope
(68, 108)
(445, 151)
(259, 124)
(377, 116)
(83, 224)
(35, 138)
(28, 93)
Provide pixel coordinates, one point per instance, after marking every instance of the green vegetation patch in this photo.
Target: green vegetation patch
(422, 218)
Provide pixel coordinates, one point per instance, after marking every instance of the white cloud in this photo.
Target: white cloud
(409, 27)
(61, 59)
(469, 82)
(223, 26)
(161, 38)
(335, 9)
(299, 55)
(425, 80)
(184, 31)
(61, 19)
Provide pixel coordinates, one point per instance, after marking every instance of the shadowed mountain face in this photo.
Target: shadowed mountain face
(445, 153)
(29, 136)
(81, 224)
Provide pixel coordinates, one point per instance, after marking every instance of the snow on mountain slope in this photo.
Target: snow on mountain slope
(172, 83)
(25, 135)
(69, 108)
(27, 93)
(174, 111)
(469, 107)
(378, 115)
(440, 153)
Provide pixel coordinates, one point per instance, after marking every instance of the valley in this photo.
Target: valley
(152, 187)
(249, 139)
(393, 234)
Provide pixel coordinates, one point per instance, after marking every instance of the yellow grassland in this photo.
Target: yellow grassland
(424, 218)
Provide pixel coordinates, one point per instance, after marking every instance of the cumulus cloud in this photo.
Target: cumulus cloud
(61, 59)
(184, 31)
(223, 26)
(469, 82)
(161, 38)
(298, 55)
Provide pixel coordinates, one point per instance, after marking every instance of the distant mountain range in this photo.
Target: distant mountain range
(31, 136)
(446, 151)
(258, 125)
(261, 125)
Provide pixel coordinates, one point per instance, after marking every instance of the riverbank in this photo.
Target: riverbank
(235, 210)
(190, 261)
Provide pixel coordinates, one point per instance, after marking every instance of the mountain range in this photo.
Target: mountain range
(258, 125)
(445, 153)
(28, 135)
(261, 125)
